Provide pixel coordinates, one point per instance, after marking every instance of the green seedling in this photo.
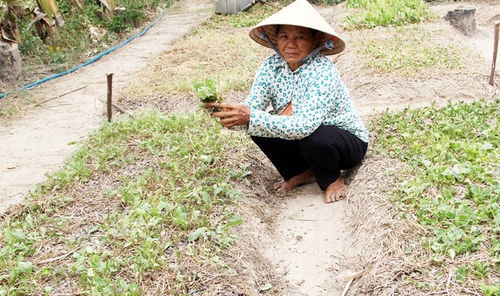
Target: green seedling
(207, 91)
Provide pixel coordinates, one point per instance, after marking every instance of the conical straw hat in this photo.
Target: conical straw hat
(299, 13)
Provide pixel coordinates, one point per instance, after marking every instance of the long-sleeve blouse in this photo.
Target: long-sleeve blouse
(316, 91)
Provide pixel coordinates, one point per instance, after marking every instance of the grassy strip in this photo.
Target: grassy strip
(374, 13)
(143, 204)
(408, 51)
(452, 185)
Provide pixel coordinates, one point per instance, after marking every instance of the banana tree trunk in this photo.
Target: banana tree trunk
(51, 9)
(109, 7)
(10, 14)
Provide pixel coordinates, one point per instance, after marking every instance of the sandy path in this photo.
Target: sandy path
(39, 143)
(309, 243)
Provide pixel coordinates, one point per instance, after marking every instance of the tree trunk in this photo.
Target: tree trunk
(463, 19)
(10, 62)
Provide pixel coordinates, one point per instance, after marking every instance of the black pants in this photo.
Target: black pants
(326, 152)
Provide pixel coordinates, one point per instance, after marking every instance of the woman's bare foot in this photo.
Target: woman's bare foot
(306, 177)
(335, 191)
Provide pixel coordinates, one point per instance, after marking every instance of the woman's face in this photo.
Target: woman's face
(295, 43)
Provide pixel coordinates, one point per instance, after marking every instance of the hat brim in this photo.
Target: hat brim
(299, 13)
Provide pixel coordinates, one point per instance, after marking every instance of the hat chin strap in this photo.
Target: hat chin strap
(328, 45)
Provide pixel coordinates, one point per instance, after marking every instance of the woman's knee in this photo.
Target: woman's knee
(316, 142)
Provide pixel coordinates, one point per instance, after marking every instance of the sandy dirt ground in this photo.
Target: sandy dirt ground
(309, 242)
(309, 239)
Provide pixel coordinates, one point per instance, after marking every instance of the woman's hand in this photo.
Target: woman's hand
(231, 114)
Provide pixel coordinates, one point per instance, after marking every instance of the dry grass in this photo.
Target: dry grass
(380, 237)
(227, 55)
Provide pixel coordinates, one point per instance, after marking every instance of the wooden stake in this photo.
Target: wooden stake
(495, 50)
(109, 103)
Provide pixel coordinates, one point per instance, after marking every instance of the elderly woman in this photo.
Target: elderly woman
(312, 131)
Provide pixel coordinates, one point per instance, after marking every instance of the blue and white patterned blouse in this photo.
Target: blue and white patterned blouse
(317, 93)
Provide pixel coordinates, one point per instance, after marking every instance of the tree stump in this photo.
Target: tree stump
(10, 63)
(463, 19)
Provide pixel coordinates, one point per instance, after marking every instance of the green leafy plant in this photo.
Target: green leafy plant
(167, 218)
(132, 17)
(89, 28)
(207, 90)
(451, 184)
(373, 13)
